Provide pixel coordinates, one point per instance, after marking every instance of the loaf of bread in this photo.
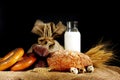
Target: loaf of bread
(63, 60)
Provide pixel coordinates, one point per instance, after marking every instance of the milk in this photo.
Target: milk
(72, 41)
(72, 37)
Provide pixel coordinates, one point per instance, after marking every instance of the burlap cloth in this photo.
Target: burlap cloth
(108, 73)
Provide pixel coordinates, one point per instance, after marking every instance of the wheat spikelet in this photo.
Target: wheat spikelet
(100, 55)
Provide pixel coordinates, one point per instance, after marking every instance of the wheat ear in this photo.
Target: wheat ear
(100, 55)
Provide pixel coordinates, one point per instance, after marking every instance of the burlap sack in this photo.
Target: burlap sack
(48, 32)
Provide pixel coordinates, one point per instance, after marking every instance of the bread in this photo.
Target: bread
(63, 60)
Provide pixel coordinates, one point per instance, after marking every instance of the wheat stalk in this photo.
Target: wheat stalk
(100, 55)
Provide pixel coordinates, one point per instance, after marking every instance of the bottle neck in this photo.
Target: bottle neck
(72, 26)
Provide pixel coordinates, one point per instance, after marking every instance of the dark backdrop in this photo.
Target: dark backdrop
(97, 22)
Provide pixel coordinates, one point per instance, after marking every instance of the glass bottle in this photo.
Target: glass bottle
(72, 37)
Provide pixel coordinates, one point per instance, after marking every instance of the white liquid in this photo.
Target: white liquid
(72, 41)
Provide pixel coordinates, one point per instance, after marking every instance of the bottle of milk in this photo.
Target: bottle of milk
(72, 37)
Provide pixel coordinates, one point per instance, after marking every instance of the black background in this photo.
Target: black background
(98, 21)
